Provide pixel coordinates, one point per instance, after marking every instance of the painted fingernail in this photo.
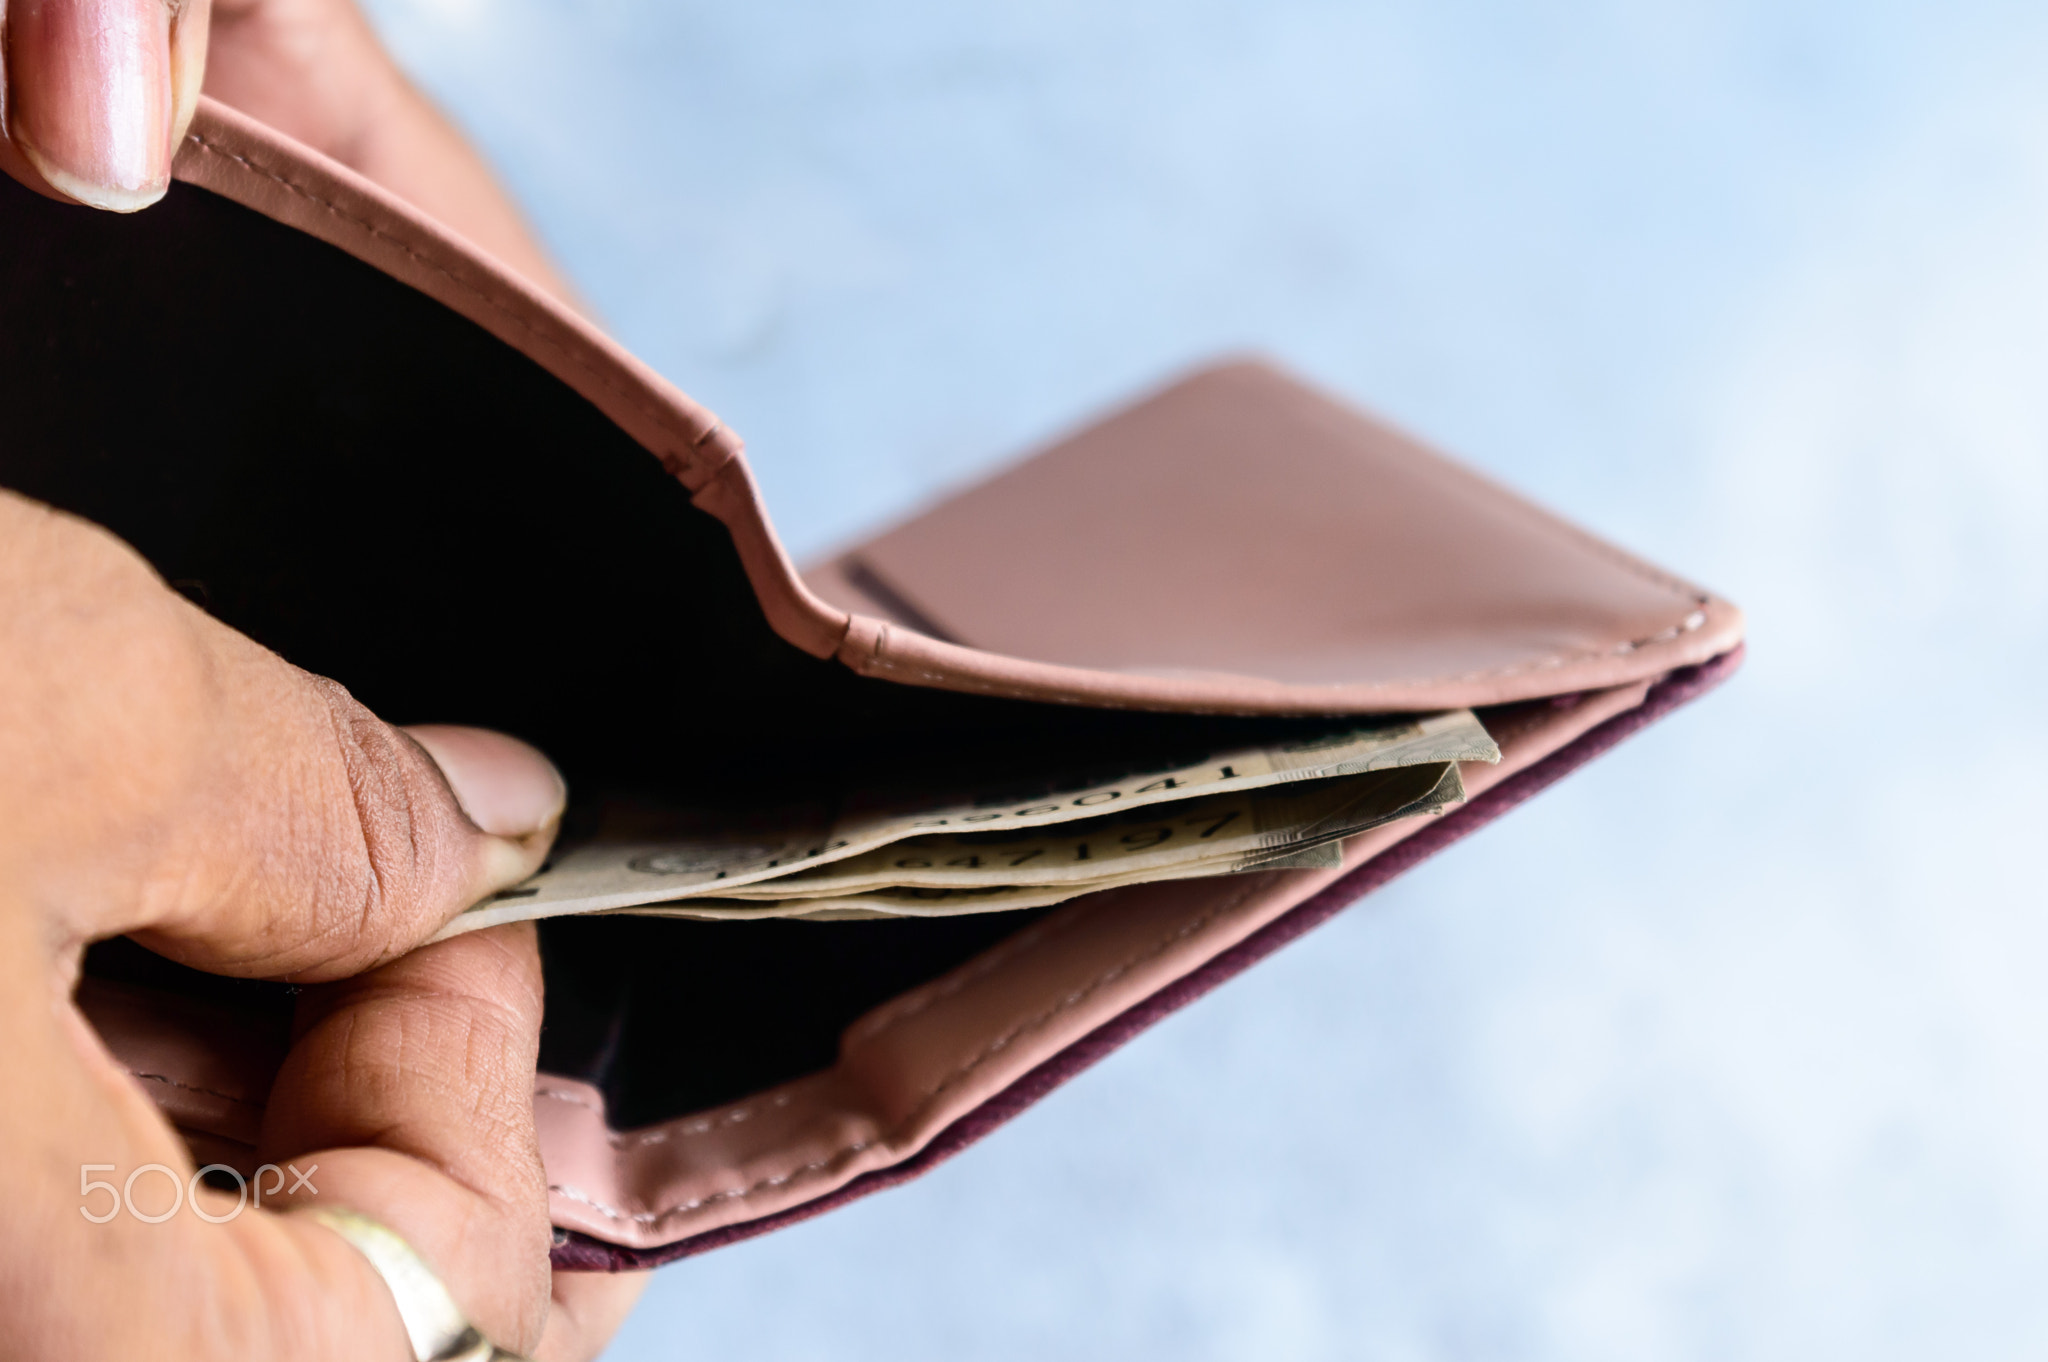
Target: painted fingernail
(506, 787)
(90, 97)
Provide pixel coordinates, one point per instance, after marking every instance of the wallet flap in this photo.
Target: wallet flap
(240, 159)
(1242, 530)
(1270, 550)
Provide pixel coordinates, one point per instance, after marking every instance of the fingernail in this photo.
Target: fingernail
(91, 103)
(506, 787)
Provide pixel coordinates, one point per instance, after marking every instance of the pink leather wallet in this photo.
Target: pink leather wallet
(301, 400)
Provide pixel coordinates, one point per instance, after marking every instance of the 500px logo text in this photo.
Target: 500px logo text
(183, 1192)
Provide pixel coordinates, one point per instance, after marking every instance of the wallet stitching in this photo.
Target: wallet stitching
(932, 1096)
(1694, 620)
(635, 400)
(661, 417)
(680, 1130)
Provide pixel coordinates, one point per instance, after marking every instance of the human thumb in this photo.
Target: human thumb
(183, 784)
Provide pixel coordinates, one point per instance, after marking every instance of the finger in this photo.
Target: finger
(185, 785)
(587, 1309)
(191, 40)
(99, 93)
(334, 841)
(410, 1088)
(257, 816)
(504, 787)
(423, 1069)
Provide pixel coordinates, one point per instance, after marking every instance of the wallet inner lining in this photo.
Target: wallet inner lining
(386, 494)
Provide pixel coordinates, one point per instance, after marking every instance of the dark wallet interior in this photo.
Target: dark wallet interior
(386, 494)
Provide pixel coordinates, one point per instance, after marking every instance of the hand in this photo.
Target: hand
(98, 95)
(163, 776)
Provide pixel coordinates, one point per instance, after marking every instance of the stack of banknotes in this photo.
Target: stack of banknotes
(1278, 804)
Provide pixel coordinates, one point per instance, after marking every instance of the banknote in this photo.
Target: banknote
(1238, 825)
(1312, 841)
(668, 854)
(959, 902)
(887, 903)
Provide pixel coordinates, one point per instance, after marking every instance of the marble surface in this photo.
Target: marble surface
(1731, 1046)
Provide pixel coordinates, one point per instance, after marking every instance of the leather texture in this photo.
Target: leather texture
(1246, 539)
(920, 1063)
(1235, 543)
(587, 1252)
(1183, 501)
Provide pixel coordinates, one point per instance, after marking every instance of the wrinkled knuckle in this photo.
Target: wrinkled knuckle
(408, 848)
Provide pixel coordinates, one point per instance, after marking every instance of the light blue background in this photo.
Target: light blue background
(1734, 1045)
